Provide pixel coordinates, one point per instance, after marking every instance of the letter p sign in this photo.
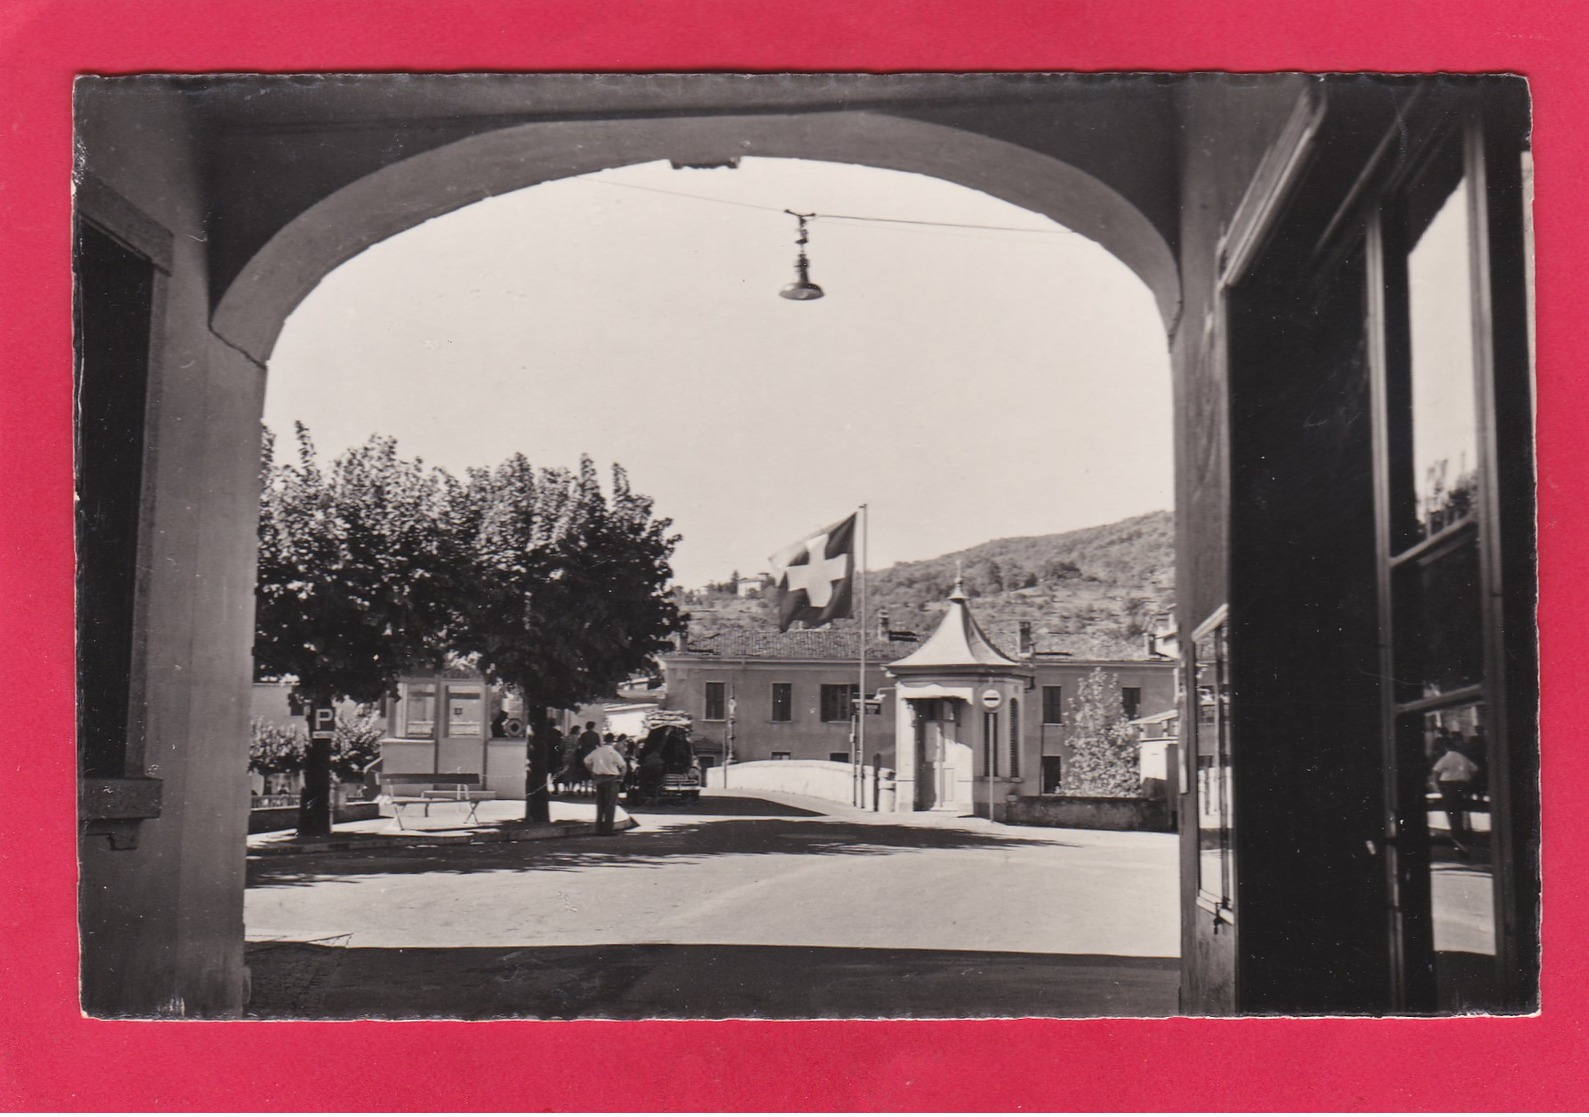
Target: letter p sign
(324, 724)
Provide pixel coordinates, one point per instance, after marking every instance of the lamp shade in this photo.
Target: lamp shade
(801, 290)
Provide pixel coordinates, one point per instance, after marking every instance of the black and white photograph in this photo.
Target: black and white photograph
(716, 546)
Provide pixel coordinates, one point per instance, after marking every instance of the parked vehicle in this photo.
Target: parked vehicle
(667, 767)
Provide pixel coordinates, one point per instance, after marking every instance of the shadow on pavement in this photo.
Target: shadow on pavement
(629, 982)
(687, 841)
(719, 806)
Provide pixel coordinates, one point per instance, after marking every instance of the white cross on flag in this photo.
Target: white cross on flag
(815, 575)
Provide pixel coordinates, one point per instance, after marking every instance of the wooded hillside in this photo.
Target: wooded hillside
(1102, 585)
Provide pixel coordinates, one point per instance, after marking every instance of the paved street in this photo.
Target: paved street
(746, 904)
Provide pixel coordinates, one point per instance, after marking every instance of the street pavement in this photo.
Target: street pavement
(746, 904)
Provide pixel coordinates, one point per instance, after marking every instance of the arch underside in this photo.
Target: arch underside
(406, 193)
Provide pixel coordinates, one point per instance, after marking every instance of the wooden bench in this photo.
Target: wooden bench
(435, 787)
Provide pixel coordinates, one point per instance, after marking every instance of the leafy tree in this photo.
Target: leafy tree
(275, 748)
(1103, 748)
(282, 748)
(355, 583)
(568, 590)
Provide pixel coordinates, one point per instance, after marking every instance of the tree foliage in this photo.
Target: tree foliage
(540, 578)
(569, 586)
(355, 583)
(281, 748)
(1103, 758)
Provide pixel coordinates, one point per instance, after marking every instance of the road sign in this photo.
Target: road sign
(991, 698)
(324, 725)
(873, 705)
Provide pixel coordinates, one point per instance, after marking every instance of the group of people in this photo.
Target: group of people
(607, 765)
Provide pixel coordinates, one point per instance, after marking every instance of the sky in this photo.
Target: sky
(964, 384)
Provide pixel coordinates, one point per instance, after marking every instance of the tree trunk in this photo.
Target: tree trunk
(314, 804)
(537, 800)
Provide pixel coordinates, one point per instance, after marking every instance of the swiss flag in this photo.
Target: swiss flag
(814, 576)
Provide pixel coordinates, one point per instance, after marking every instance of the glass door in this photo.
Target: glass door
(1440, 615)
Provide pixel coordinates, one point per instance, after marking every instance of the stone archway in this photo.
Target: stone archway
(403, 194)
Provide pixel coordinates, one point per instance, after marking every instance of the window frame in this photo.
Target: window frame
(831, 703)
(714, 696)
(1131, 702)
(120, 792)
(782, 699)
(1057, 707)
(405, 728)
(1015, 738)
(1406, 548)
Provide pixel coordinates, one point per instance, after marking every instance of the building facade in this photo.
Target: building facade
(790, 696)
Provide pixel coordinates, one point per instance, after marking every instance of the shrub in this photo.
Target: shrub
(1103, 749)
(280, 748)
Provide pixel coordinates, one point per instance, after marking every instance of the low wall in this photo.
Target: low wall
(820, 779)
(1086, 813)
(264, 819)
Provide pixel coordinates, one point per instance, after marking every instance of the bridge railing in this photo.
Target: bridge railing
(820, 779)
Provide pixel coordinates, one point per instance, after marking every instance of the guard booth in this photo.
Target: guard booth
(957, 720)
(454, 721)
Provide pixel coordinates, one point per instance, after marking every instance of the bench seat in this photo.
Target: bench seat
(432, 788)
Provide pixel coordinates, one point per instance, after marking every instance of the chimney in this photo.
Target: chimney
(882, 624)
(1024, 643)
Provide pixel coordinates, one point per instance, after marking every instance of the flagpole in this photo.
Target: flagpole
(859, 780)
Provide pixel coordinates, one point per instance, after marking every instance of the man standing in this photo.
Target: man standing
(1453, 774)
(607, 767)
(588, 742)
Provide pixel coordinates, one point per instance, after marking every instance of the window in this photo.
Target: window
(1438, 576)
(464, 706)
(1015, 737)
(1053, 705)
(990, 743)
(782, 755)
(1053, 774)
(1209, 755)
(839, 757)
(782, 701)
(1130, 701)
(838, 701)
(716, 702)
(115, 292)
(419, 710)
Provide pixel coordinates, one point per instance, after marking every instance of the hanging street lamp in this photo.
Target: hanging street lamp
(802, 289)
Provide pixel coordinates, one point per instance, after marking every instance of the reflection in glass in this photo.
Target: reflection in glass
(1440, 631)
(1213, 767)
(1460, 857)
(1444, 434)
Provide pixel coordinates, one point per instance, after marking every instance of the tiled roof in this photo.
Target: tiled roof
(827, 643)
(809, 643)
(1068, 645)
(958, 641)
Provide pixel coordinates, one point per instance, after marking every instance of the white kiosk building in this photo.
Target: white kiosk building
(957, 718)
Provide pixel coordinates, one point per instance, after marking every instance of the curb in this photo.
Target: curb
(416, 838)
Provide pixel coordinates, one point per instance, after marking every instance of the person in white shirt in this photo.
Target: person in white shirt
(608, 767)
(1453, 774)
